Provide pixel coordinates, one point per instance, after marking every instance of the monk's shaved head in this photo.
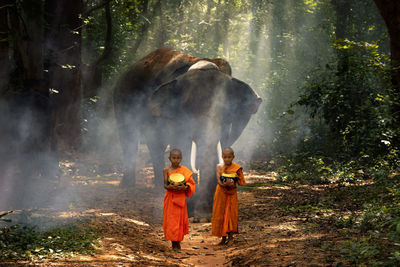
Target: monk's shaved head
(228, 150)
(175, 151)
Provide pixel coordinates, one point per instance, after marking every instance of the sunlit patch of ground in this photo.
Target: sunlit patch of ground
(272, 231)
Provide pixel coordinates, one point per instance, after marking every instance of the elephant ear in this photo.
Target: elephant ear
(244, 97)
(166, 99)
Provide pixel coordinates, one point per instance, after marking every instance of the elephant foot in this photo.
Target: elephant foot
(205, 219)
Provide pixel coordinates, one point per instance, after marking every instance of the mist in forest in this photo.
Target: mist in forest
(256, 42)
(256, 39)
(271, 45)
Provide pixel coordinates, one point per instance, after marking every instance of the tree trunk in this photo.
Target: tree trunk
(143, 28)
(92, 74)
(63, 60)
(27, 129)
(390, 11)
(255, 26)
(161, 31)
(276, 30)
(4, 47)
(343, 10)
(31, 94)
(217, 30)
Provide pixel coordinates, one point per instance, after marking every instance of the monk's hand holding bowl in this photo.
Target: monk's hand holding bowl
(177, 182)
(229, 183)
(228, 179)
(175, 187)
(181, 187)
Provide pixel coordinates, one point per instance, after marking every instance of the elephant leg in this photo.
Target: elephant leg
(156, 148)
(129, 138)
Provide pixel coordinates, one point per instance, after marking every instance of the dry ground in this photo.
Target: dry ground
(131, 223)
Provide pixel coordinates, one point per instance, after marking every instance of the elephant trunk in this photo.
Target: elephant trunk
(237, 128)
(193, 154)
(241, 120)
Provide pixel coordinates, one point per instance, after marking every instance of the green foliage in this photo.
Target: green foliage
(344, 222)
(304, 169)
(350, 134)
(357, 252)
(378, 224)
(308, 170)
(23, 242)
(355, 105)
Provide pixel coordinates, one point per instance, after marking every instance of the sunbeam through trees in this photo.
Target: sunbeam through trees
(95, 94)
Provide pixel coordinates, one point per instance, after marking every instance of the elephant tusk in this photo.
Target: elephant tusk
(193, 161)
(198, 176)
(219, 152)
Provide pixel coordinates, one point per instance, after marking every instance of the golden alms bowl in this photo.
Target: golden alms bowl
(224, 176)
(176, 179)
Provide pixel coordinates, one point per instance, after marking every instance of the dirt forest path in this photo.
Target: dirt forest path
(131, 224)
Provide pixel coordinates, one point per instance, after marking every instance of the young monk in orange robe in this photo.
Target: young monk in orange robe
(225, 207)
(175, 216)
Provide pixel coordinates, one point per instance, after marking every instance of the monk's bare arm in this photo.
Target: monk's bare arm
(219, 168)
(165, 174)
(241, 180)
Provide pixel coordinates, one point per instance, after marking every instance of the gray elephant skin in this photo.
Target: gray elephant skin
(169, 97)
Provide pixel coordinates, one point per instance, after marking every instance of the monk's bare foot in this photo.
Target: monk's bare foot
(176, 246)
(177, 250)
(229, 239)
(223, 241)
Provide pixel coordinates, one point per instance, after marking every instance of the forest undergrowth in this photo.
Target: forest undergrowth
(282, 223)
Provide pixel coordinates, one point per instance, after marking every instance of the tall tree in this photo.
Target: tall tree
(25, 137)
(342, 8)
(63, 55)
(390, 11)
(4, 45)
(30, 95)
(256, 24)
(92, 73)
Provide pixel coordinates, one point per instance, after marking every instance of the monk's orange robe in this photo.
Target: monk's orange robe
(225, 207)
(175, 216)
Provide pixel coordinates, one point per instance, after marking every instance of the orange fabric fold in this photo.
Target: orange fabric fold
(225, 206)
(175, 216)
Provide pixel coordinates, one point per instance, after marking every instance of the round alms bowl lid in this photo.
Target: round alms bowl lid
(230, 175)
(176, 178)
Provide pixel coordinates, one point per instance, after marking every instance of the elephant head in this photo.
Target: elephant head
(205, 92)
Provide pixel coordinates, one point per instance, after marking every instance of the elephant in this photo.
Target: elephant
(169, 97)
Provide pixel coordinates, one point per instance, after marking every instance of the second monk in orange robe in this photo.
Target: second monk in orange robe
(175, 216)
(225, 207)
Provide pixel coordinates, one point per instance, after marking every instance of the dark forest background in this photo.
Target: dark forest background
(328, 72)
